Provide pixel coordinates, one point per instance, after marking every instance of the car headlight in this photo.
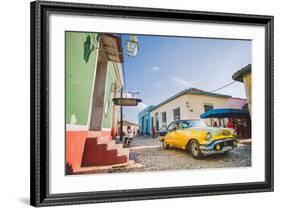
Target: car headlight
(208, 136)
(217, 146)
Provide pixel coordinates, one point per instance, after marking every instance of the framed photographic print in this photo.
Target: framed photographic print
(131, 103)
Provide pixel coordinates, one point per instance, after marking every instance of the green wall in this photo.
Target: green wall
(111, 78)
(79, 76)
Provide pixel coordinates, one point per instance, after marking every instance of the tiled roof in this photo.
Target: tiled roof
(127, 123)
(147, 109)
(192, 91)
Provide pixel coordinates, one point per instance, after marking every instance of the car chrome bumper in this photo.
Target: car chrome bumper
(161, 138)
(226, 145)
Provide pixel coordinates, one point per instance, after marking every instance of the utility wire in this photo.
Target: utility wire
(223, 86)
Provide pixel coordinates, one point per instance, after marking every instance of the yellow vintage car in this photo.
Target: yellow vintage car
(197, 138)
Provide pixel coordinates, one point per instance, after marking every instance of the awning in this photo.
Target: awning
(226, 113)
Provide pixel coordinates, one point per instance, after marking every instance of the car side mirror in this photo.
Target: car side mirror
(174, 129)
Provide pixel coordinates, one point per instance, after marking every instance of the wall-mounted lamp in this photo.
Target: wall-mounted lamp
(132, 46)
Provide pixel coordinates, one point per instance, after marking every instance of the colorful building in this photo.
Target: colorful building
(145, 120)
(190, 104)
(94, 76)
(245, 75)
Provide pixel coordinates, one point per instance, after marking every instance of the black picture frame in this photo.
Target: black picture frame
(39, 177)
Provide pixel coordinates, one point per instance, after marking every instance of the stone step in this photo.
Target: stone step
(112, 145)
(104, 151)
(103, 140)
(123, 151)
(123, 159)
(119, 147)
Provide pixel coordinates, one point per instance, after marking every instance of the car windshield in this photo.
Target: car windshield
(192, 123)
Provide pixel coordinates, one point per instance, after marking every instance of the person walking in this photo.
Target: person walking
(128, 137)
(215, 124)
(153, 132)
(229, 124)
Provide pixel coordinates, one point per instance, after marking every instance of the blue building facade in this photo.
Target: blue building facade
(145, 121)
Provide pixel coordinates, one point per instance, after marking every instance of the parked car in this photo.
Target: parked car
(197, 138)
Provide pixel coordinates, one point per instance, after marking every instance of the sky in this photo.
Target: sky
(166, 65)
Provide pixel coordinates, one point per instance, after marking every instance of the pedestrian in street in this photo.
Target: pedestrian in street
(215, 124)
(177, 126)
(128, 137)
(153, 132)
(229, 124)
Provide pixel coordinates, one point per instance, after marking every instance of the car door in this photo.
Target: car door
(181, 135)
(175, 135)
(171, 135)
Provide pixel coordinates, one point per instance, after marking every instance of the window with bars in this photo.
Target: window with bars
(208, 107)
(157, 121)
(176, 114)
(164, 120)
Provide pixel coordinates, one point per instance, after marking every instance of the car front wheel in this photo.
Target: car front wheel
(194, 150)
(165, 145)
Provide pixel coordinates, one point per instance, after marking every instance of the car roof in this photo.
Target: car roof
(177, 121)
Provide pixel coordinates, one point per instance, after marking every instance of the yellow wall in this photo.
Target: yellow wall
(248, 87)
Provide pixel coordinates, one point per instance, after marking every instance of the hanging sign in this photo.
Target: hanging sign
(126, 101)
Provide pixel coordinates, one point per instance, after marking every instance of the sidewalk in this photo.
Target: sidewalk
(245, 141)
(140, 141)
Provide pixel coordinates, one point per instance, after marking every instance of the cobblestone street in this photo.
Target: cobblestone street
(153, 157)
